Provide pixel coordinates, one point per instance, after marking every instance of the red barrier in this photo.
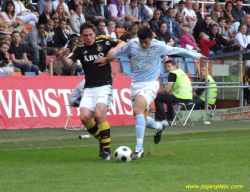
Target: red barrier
(37, 102)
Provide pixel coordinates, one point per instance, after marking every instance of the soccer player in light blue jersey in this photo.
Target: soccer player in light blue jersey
(146, 52)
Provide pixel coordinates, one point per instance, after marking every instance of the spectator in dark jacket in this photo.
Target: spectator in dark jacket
(197, 12)
(102, 9)
(90, 13)
(155, 21)
(217, 48)
(60, 37)
(203, 26)
(163, 35)
(238, 12)
(46, 15)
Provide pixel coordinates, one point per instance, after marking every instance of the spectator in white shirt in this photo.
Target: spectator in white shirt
(110, 29)
(241, 38)
(188, 10)
(25, 14)
(150, 7)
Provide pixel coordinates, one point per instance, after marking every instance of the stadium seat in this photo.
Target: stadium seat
(48, 57)
(4, 74)
(191, 67)
(28, 27)
(115, 66)
(80, 73)
(161, 63)
(181, 107)
(183, 66)
(16, 74)
(29, 73)
(126, 66)
(120, 31)
(164, 79)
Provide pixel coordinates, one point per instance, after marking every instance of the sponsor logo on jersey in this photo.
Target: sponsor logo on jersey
(88, 58)
(85, 52)
(80, 45)
(152, 48)
(108, 43)
(99, 48)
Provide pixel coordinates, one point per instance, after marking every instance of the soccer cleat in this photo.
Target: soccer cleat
(106, 156)
(157, 136)
(138, 154)
(101, 150)
(101, 153)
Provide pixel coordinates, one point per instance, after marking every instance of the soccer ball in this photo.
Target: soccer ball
(123, 154)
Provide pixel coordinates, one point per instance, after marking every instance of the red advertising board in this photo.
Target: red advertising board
(37, 102)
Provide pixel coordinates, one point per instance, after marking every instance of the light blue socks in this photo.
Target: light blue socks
(140, 129)
(152, 124)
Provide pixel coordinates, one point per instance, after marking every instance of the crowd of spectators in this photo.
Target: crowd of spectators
(224, 28)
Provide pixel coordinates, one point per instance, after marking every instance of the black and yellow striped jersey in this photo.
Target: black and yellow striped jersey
(95, 75)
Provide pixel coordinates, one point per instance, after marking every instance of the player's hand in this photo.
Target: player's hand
(101, 61)
(203, 57)
(62, 52)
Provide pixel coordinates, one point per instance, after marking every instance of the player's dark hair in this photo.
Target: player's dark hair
(172, 62)
(144, 33)
(87, 25)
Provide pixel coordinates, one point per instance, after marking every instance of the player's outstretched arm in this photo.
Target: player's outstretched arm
(168, 50)
(66, 61)
(110, 55)
(101, 61)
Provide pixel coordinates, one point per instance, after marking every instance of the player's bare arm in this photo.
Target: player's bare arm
(66, 61)
(203, 57)
(101, 61)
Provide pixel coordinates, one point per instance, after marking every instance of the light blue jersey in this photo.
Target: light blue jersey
(146, 65)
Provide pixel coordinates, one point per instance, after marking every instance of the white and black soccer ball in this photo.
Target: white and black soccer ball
(123, 154)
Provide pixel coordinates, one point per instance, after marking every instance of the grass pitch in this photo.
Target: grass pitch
(56, 160)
